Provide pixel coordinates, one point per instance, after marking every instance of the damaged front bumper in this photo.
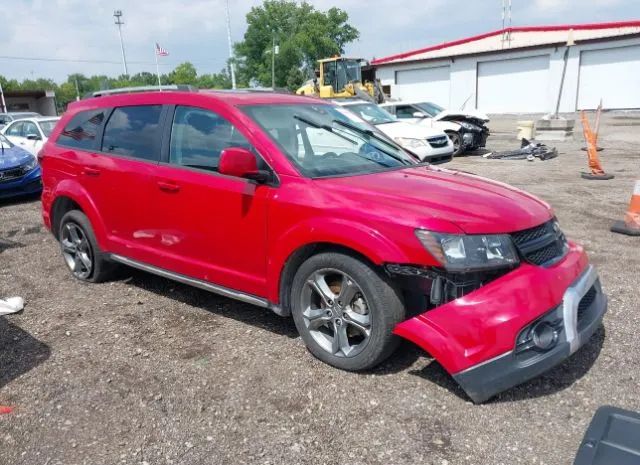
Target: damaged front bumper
(513, 328)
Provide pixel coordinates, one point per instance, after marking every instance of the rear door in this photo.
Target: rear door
(209, 226)
(128, 158)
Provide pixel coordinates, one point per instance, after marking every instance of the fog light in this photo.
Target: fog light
(544, 336)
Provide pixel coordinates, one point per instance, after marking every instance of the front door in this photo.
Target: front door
(209, 226)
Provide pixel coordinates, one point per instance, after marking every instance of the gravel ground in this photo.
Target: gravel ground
(145, 371)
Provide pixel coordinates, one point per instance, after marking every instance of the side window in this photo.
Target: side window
(4, 119)
(15, 130)
(405, 111)
(81, 131)
(30, 129)
(199, 136)
(134, 132)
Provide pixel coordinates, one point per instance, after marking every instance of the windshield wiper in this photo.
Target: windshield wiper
(326, 127)
(371, 133)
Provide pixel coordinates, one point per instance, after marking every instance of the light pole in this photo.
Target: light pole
(231, 64)
(117, 14)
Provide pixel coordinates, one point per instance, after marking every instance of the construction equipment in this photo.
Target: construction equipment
(340, 77)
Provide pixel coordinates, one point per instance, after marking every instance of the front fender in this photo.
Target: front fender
(74, 191)
(366, 240)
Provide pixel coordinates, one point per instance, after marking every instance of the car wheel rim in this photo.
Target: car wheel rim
(336, 313)
(76, 250)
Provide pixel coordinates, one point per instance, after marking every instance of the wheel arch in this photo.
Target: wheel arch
(71, 196)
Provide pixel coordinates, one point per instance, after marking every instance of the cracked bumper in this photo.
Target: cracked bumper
(483, 381)
(472, 337)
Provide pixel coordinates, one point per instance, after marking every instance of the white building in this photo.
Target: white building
(519, 70)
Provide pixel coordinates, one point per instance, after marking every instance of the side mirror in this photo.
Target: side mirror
(241, 163)
(419, 114)
(33, 137)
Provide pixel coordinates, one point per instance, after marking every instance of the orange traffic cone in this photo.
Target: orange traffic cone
(597, 173)
(631, 224)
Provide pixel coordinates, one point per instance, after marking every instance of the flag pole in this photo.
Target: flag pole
(155, 52)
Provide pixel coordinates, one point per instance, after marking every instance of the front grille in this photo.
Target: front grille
(11, 175)
(437, 142)
(542, 245)
(586, 302)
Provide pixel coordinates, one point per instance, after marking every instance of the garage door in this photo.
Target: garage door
(613, 75)
(514, 86)
(428, 84)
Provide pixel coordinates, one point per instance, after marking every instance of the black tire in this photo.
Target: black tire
(384, 309)
(101, 267)
(458, 149)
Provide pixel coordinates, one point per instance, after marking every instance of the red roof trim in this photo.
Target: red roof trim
(564, 27)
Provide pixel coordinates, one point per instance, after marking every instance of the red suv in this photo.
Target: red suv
(295, 205)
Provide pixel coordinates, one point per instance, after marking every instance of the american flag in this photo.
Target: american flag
(160, 51)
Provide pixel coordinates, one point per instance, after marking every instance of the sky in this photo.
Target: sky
(80, 32)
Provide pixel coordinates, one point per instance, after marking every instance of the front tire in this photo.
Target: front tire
(80, 249)
(345, 311)
(456, 140)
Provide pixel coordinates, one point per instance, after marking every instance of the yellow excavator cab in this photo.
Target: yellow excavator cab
(340, 77)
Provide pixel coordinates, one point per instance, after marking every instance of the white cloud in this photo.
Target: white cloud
(195, 30)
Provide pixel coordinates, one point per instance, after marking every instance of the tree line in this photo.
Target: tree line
(302, 34)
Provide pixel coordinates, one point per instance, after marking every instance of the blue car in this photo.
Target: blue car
(19, 171)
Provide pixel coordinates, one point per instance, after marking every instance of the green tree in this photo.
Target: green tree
(303, 35)
(184, 73)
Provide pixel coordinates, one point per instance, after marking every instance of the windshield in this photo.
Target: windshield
(430, 108)
(47, 126)
(372, 113)
(5, 143)
(325, 140)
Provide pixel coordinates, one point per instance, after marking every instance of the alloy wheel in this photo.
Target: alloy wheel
(76, 250)
(336, 312)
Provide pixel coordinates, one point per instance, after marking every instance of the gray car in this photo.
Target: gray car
(6, 118)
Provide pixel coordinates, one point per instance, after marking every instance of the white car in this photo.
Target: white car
(30, 133)
(429, 144)
(471, 124)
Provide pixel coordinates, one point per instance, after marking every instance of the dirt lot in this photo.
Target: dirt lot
(145, 371)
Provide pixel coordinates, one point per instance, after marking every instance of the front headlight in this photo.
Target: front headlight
(469, 126)
(460, 252)
(411, 143)
(31, 164)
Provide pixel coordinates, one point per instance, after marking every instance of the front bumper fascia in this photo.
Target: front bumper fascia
(483, 381)
(30, 183)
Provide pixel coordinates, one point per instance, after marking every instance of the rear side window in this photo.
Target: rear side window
(134, 132)
(81, 131)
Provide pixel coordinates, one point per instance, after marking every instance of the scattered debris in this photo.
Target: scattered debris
(11, 305)
(528, 151)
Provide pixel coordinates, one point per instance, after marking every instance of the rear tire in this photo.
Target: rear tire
(345, 311)
(80, 249)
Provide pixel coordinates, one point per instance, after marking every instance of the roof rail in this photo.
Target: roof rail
(129, 90)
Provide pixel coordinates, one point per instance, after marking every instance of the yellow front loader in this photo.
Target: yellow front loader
(342, 77)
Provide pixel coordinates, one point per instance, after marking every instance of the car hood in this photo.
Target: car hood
(452, 115)
(13, 157)
(408, 130)
(429, 197)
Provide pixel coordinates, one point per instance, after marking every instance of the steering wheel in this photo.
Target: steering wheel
(370, 152)
(329, 155)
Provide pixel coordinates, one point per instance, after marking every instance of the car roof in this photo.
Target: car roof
(37, 119)
(230, 97)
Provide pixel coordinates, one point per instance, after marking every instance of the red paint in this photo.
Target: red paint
(493, 315)
(563, 27)
(4, 410)
(239, 234)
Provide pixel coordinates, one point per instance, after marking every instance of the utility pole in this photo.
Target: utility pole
(273, 62)
(117, 14)
(231, 64)
(4, 104)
